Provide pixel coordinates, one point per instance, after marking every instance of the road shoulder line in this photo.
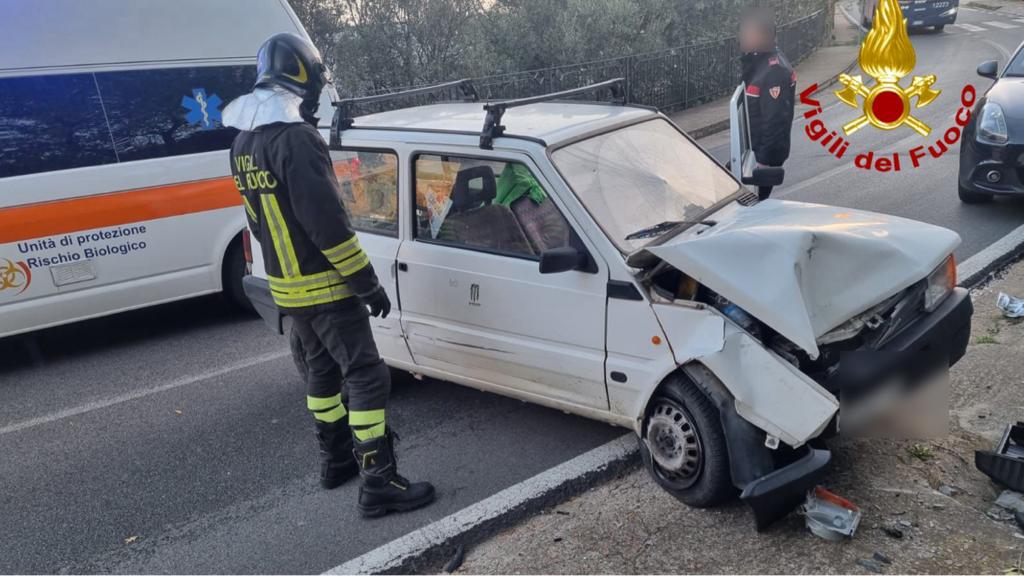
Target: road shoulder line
(432, 543)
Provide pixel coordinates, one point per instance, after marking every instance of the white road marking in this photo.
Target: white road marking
(392, 555)
(142, 393)
(970, 27)
(999, 24)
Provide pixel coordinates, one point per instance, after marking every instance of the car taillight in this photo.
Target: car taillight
(247, 247)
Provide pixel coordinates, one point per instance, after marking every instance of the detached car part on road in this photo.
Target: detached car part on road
(590, 257)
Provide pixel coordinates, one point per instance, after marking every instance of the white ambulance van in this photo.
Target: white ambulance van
(115, 187)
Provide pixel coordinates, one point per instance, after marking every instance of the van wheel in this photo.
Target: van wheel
(683, 446)
(298, 355)
(231, 276)
(972, 197)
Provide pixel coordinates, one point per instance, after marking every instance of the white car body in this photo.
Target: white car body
(582, 347)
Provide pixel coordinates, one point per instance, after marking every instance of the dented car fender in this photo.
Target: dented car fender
(768, 392)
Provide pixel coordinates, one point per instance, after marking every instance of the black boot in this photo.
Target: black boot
(383, 490)
(337, 465)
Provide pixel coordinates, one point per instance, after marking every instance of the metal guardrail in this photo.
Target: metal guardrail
(670, 79)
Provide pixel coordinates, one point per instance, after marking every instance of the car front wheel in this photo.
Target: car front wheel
(683, 446)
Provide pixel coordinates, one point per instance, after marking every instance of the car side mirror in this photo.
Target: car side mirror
(766, 176)
(561, 259)
(988, 69)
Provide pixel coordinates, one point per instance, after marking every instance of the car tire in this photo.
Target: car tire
(972, 197)
(940, 27)
(683, 446)
(298, 355)
(234, 269)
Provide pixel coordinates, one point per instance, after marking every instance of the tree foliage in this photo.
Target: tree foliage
(387, 44)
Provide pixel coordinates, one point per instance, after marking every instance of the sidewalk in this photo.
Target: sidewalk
(820, 68)
(935, 505)
(1011, 7)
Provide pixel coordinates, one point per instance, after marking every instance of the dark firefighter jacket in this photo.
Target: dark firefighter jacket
(312, 256)
(771, 96)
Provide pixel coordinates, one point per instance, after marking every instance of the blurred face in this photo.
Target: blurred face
(753, 38)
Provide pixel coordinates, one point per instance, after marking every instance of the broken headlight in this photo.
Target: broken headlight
(940, 282)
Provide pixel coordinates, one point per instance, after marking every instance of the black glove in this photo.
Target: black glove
(378, 301)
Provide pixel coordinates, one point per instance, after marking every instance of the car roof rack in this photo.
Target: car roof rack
(495, 110)
(344, 109)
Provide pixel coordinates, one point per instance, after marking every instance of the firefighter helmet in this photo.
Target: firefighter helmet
(293, 63)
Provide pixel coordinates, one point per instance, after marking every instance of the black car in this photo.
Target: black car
(992, 149)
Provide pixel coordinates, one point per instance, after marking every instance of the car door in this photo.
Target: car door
(369, 180)
(474, 302)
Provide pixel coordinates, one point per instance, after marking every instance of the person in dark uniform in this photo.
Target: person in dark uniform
(770, 90)
(317, 271)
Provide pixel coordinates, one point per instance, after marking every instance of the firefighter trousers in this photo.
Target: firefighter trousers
(341, 353)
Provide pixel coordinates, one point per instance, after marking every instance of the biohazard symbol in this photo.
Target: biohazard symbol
(14, 276)
(887, 56)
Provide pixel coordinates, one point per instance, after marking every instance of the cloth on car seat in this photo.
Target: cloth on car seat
(543, 224)
(515, 182)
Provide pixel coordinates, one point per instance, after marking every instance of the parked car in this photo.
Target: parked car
(591, 257)
(993, 140)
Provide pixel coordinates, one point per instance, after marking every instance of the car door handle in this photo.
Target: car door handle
(403, 267)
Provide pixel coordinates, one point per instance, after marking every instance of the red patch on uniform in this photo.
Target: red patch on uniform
(775, 91)
(773, 61)
(753, 91)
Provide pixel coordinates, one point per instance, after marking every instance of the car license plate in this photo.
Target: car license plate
(917, 23)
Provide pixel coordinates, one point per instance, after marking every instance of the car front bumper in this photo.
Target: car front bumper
(979, 160)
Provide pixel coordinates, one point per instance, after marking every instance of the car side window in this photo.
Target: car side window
(486, 205)
(171, 111)
(52, 123)
(369, 189)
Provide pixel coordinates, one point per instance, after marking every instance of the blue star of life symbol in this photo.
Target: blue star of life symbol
(203, 110)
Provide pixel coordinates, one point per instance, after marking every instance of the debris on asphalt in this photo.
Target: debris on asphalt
(1005, 464)
(561, 512)
(1013, 501)
(456, 560)
(905, 523)
(892, 532)
(879, 557)
(830, 516)
(1011, 306)
(870, 565)
(131, 539)
(947, 490)
(922, 452)
(999, 514)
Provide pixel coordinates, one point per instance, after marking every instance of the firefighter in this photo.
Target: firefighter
(318, 273)
(771, 90)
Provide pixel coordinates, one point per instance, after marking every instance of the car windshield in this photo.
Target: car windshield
(1016, 66)
(637, 180)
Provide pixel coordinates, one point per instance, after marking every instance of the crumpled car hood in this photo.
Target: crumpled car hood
(804, 269)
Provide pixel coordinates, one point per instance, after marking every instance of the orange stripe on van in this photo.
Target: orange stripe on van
(126, 207)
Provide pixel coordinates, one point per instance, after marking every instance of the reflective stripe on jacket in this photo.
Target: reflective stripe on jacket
(292, 203)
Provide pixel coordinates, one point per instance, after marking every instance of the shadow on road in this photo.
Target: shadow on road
(35, 349)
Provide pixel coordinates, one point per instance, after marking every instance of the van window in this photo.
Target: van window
(173, 111)
(369, 189)
(51, 123)
(487, 205)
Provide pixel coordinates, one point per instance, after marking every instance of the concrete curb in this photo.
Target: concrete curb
(427, 548)
(982, 266)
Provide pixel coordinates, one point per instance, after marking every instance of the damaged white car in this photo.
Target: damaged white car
(592, 258)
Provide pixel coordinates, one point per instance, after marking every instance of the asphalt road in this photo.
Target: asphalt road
(176, 439)
(928, 193)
